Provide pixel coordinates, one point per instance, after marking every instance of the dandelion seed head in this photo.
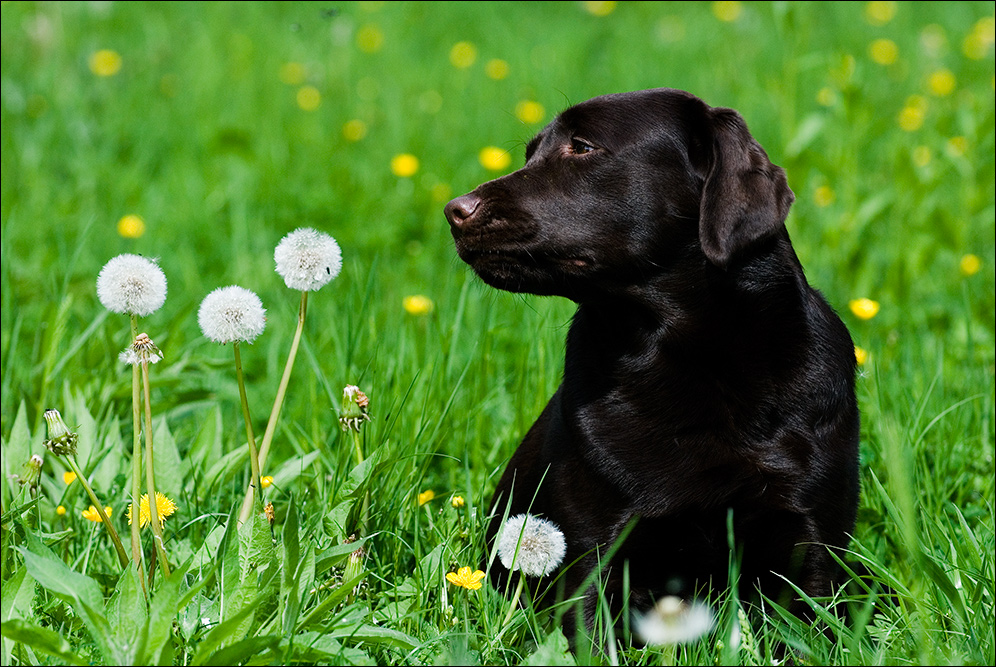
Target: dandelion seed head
(231, 314)
(539, 551)
(674, 621)
(131, 284)
(307, 259)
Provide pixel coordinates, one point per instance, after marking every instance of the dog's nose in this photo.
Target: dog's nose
(460, 210)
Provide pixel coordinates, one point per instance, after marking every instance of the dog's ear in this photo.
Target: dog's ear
(745, 197)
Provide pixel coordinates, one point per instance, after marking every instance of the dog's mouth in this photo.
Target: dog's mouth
(524, 270)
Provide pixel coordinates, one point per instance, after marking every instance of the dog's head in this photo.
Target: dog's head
(614, 189)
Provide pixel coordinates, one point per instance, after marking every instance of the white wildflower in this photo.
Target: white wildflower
(307, 259)
(142, 350)
(674, 621)
(231, 314)
(531, 544)
(131, 284)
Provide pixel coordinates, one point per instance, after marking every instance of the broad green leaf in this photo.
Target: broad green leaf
(169, 468)
(553, 651)
(18, 448)
(40, 639)
(127, 617)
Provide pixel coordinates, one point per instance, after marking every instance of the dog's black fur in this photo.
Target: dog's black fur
(703, 374)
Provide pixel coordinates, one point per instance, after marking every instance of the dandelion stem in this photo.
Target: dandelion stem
(254, 483)
(150, 478)
(514, 604)
(122, 554)
(136, 457)
(271, 424)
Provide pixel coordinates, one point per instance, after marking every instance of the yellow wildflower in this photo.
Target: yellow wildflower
(93, 515)
(425, 497)
(61, 510)
(417, 304)
(354, 130)
(308, 98)
(956, 146)
(970, 265)
(267, 481)
(463, 55)
(911, 116)
(727, 11)
(466, 578)
(131, 226)
(68, 477)
(883, 51)
(105, 62)
(529, 112)
(978, 41)
(369, 39)
(164, 508)
(942, 82)
(864, 308)
(404, 165)
(860, 355)
(597, 8)
(880, 13)
(493, 158)
(496, 69)
(457, 501)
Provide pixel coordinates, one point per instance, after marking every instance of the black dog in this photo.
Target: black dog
(707, 387)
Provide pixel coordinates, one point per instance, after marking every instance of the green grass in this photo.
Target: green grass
(199, 136)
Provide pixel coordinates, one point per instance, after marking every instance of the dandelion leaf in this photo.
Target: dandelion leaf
(553, 651)
(169, 468)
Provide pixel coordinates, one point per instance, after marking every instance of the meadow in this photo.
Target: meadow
(200, 134)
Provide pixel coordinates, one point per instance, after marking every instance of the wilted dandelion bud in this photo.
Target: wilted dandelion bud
(143, 350)
(230, 314)
(307, 259)
(531, 544)
(354, 408)
(31, 473)
(270, 514)
(61, 441)
(131, 284)
(674, 621)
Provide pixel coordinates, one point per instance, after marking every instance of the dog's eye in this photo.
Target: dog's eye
(579, 147)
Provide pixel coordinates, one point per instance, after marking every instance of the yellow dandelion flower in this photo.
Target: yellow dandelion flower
(864, 308)
(417, 304)
(912, 115)
(860, 355)
(369, 39)
(354, 130)
(425, 497)
(267, 481)
(61, 510)
(956, 146)
(970, 265)
(493, 158)
(824, 196)
(93, 515)
(458, 501)
(880, 13)
(942, 82)
(465, 577)
(308, 98)
(529, 112)
(131, 226)
(463, 55)
(404, 165)
(68, 477)
(977, 43)
(883, 51)
(922, 155)
(164, 508)
(727, 11)
(292, 74)
(105, 62)
(496, 69)
(596, 8)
